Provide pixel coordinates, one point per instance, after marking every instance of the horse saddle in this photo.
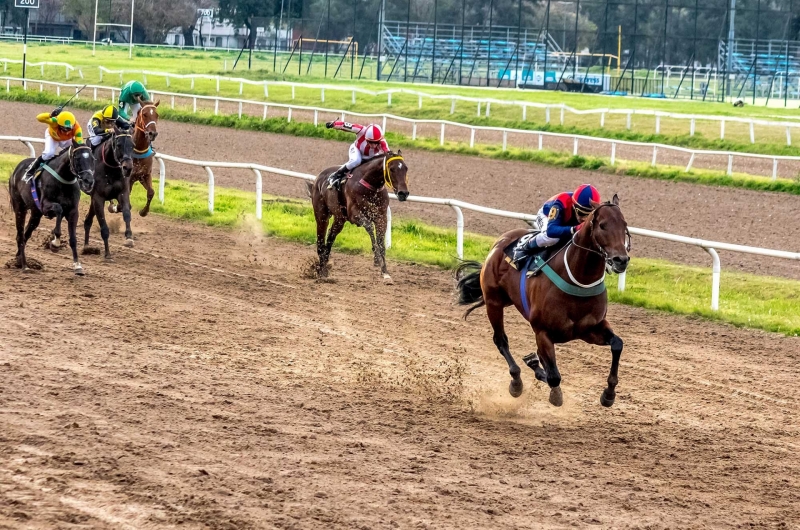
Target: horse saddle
(529, 261)
(35, 183)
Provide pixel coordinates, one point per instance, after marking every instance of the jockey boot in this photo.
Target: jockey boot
(523, 251)
(335, 179)
(33, 167)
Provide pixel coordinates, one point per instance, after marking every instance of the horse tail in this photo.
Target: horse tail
(468, 276)
(309, 188)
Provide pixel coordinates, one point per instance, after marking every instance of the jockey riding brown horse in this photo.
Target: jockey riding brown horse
(145, 132)
(362, 200)
(566, 301)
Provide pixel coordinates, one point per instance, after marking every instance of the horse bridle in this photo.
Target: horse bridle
(140, 118)
(387, 175)
(113, 151)
(71, 161)
(599, 250)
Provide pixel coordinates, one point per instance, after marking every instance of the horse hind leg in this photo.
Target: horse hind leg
(495, 313)
(19, 215)
(147, 182)
(87, 223)
(603, 335)
(547, 354)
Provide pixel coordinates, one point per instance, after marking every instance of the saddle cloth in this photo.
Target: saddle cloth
(522, 259)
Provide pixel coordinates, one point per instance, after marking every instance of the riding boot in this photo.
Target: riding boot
(523, 251)
(33, 167)
(335, 179)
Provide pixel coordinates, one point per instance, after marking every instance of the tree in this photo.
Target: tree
(242, 12)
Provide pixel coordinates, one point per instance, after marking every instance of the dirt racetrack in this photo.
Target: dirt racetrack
(201, 381)
(716, 213)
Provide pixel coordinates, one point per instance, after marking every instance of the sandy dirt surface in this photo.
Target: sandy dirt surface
(715, 213)
(202, 381)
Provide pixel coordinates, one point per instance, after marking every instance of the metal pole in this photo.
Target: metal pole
(94, 33)
(130, 44)
(327, 37)
(435, 34)
(605, 49)
(786, 58)
(489, 51)
(354, 49)
(546, 42)
(461, 59)
(664, 44)
(633, 50)
(694, 47)
(575, 48)
(25, 43)
(519, 41)
(277, 30)
(380, 34)
(755, 63)
(731, 35)
(408, 28)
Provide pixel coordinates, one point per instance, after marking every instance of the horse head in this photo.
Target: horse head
(610, 236)
(147, 120)
(123, 149)
(81, 163)
(395, 173)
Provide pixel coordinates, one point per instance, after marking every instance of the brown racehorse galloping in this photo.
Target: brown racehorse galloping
(555, 316)
(145, 132)
(363, 201)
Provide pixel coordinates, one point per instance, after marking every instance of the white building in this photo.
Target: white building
(213, 33)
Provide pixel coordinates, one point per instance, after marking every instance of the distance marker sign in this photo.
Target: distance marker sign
(30, 4)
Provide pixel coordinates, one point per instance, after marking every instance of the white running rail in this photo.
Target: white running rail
(709, 246)
(443, 125)
(483, 104)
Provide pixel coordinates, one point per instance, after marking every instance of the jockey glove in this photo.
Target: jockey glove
(329, 125)
(55, 112)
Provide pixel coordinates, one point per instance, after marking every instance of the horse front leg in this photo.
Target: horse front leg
(72, 227)
(125, 203)
(380, 244)
(323, 220)
(547, 354)
(603, 335)
(87, 223)
(147, 182)
(495, 312)
(97, 206)
(21, 239)
(336, 228)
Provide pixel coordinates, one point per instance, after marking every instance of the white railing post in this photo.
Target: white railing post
(540, 141)
(774, 169)
(259, 189)
(691, 127)
(562, 114)
(716, 268)
(388, 239)
(628, 122)
(419, 103)
(524, 113)
(602, 119)
(472, 137)
(240, 110)
(613, 153)
(241, 88)
(316, 117)
(322, 95)
(575, 146)
(30, 146)
(689, 165)
(216, 107)
(194, 105)
(655, 153)
(389, 100)
(722, 129)
(264, 115)
(621, 282)
(441, 135)
(547, 114)
(266, 89)
(479, 109)
(384, 124)
(289, 116)
(210, 189)
(218, 84)
(730, 165)
(414, 131)
(488, 107)
(752, 132)
(353, 98)
(505, 140)
(658, 124)
(459, 231)
(452, 105)
(788, 136)
(162, 178)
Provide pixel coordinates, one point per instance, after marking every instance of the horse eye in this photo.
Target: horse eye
(602, 226)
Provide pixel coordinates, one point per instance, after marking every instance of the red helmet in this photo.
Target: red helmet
(583, 197)
(373, 134)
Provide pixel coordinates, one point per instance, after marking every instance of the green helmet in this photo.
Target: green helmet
(134, 87)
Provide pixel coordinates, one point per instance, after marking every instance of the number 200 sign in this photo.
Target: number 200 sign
(30, 4)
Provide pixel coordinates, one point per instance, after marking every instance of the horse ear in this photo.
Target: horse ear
(158, 101)
(399, 152)
(615, 200)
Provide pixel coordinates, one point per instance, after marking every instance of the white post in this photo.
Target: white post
(774, 169)
(540, 141)
(689, 165)
(30, 148)
(241, 87)
(216, 107)
(628, 122)
(293, 87)
(472, 137)
(722, 129)
(459, 232)
(192, 83)
(730, 165)
(266, 89)
(384, 124)
(388, 238)
(715, 273)
(691, 127)
(658, 124)
(58, 90)
(217, 84)
(353, 98)
(524, 113)
(210, 190)
(322, 95)
(613, 153)
(562, 115)
(479, 109)
(316, 117)
(788, 136)
(505, 140)
(452, 105)
(289, 116)
(162, 178)
(752, 132)
(130, 43)
(172, 102)
(441, 135)
(194, 105)
(621, 282)
(264, 116)
(258, 194)
(389, 100)
(414, 131)
(94, 34)
(602, 120)
(655, 151)
(488, 107)
(419, 103)
(240, 110)
(575, 146)
(547, 114)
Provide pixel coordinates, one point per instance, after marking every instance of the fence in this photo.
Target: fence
(652, 149)
(483, 105)
(710, 247)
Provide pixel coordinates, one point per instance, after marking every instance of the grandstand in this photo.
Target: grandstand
(769, 64)
(418, 52)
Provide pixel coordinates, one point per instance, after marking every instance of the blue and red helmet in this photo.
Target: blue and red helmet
(583, 198)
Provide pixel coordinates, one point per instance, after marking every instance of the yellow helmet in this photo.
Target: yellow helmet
(66, 120)
(110, 113)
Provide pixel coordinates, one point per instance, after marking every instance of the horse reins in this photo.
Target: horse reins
(71, 162)
(139, 125)
(387, 175)
(113, 151)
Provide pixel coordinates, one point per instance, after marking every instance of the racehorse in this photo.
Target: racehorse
(362, 200)
(61, 182)
(144, 134)
(113, 165)
(564, 302)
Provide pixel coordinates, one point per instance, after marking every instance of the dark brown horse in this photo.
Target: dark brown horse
(57, 197)
(363, 201)
(555, 316)
(144, 134)
(113, 165)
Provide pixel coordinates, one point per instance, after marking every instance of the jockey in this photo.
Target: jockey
(131, 98)
(368, 145)
(102, 123)
(62, 129)
(561, 217)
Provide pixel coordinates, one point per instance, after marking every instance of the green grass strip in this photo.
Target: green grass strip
(746, 300)
(552, 158)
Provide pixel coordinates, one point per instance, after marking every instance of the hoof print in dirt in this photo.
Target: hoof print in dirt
(33, 265)
(91, 251)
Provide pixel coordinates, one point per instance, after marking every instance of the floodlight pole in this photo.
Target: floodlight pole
(731, 34)
(130, 44)
(94, 34)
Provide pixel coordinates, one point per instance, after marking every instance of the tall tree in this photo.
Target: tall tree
(243, 12)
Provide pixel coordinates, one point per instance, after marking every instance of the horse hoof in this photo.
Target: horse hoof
(55, 243)
(387, 279)
(129, 243)
(556, 397)
(79, 272)
(109, 258)
(112, 208)
(143, 213)
(607, 398)
(515, 388)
